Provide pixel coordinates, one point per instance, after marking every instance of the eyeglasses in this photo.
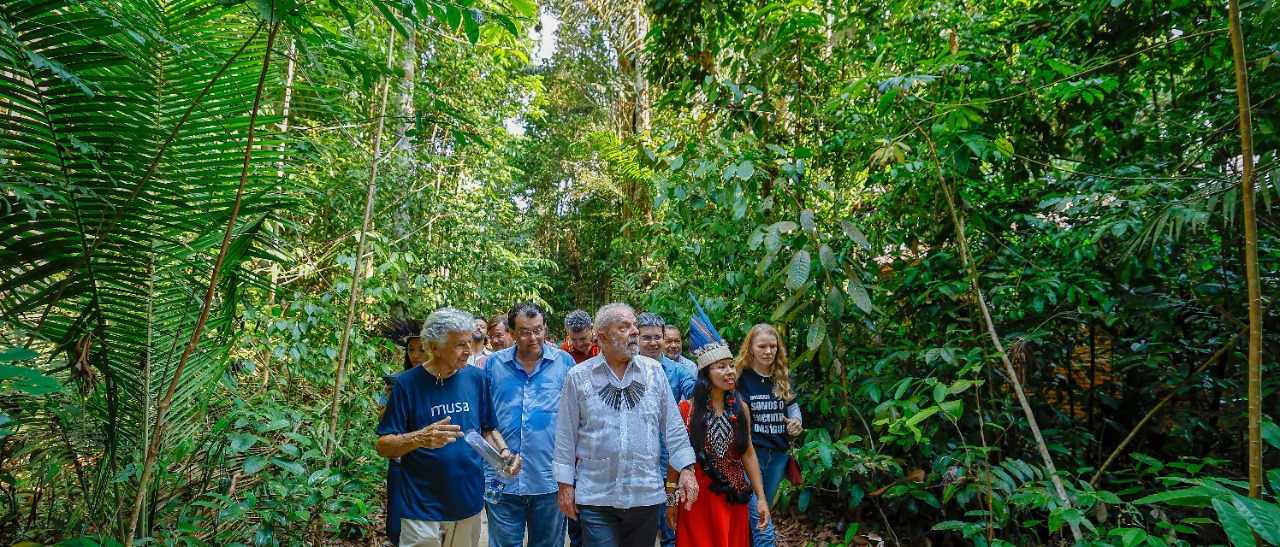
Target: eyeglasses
(525, 333)
(646, 339)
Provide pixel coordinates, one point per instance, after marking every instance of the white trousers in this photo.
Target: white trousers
(428, 533)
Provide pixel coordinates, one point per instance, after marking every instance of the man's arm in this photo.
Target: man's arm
(564, 461)
(433, 436)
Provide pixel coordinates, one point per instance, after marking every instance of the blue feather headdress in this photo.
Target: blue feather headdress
(705, 341)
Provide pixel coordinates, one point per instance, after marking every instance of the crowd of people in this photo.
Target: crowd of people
(612, 438)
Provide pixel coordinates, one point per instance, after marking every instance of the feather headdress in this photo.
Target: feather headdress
(399, 330)
(705, 341)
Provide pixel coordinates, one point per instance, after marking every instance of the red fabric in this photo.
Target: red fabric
(579, 356)
(712, 521)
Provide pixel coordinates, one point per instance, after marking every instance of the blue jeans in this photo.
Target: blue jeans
(613, 527)
(773, 463)
(513, 514)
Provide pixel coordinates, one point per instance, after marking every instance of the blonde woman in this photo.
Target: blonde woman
(765, 384)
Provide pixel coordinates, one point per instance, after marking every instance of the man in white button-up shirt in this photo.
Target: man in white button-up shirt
(607, 439)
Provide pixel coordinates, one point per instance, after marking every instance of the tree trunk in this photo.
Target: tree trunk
(358, 263)
(1250, 253)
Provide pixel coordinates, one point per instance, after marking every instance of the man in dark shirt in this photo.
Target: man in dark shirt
(430, 408)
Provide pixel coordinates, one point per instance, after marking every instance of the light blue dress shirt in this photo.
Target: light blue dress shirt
(525, 407)
(679, 378)
(607, 444)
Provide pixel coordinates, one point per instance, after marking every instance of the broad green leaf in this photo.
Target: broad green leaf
(254, 464)
(746, 169)
(1238, 530)
(806, 220)
(290, 465)
(855, 234)
(953, 408)
(1196, 496)
(827, 258)
(1262, 516)
(802, 501)
(17, 354)
(860, 296)
(241, 442)
(798, 270)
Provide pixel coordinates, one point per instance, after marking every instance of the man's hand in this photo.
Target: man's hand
(762, 509)
(568, 501)
(437, 435)
(687, 489)
(793, 426)
(514, 464)
(673, 516)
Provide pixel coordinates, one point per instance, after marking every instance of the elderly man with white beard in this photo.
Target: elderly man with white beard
(612, 408)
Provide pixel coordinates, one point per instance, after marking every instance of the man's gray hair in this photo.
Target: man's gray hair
(444, 321)
(650, 319)
(609, 314)
(577, 321)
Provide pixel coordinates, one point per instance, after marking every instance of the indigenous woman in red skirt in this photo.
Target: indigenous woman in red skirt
(720, 433)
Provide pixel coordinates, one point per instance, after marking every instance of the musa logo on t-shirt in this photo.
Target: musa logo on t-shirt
(769, 415)
(449, 408)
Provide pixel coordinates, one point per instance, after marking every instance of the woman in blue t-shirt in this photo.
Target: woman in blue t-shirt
(764, 382)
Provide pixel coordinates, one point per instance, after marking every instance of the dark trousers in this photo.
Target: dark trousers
(575, 532)
(613, 527)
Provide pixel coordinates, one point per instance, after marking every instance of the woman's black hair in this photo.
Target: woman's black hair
(739, 419)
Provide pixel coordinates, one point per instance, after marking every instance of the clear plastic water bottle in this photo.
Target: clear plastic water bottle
(490, 456)
(492, 491)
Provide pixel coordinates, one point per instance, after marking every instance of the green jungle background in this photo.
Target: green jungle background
(1012, 246)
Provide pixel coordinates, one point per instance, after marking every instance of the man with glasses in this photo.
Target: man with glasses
(681, 381)
(579, 339)
(524, 384)
(652, 339)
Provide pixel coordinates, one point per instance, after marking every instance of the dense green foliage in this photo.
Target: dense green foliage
(789, 163)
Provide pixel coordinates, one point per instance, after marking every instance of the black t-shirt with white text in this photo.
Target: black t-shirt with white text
(768, 411)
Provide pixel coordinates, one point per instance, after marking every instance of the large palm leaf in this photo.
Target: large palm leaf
(129, 127)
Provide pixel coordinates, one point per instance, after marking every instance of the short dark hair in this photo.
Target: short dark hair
(674, 328)
(500, 318)
(525, 309)
(577, 321)
(650, 319)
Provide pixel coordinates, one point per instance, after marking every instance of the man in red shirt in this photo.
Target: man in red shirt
(579, 339)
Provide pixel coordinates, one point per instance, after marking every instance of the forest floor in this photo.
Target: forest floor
(793, 530)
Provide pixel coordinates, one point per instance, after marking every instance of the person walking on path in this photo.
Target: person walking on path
(579, 337)
(764, 381)
(607, 439)
(524, 389)
(673, 345)
(719, 430)
(479, 338)
(651, 327)
(430, 408)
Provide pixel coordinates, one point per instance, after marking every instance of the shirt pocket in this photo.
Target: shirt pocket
(595, 472)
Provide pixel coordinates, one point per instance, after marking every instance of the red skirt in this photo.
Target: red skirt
(712, 521)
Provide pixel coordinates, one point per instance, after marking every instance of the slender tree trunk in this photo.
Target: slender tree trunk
(162, 411)
(356, 265)
(1250, 253)
(1014, 381)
